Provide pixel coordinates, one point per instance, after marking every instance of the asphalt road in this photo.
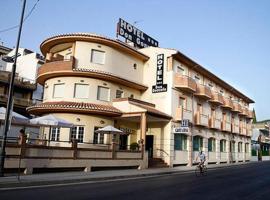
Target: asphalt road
(251, 181)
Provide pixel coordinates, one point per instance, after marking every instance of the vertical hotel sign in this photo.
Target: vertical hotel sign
(159, 87)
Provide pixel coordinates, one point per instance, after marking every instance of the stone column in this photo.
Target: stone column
(143, 125)
(205, 149)
(190, 150)
(218, 151)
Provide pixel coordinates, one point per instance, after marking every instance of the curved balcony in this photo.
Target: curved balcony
(227, 104)
(226, 126)
(182, 113)
(250, 114)
(62, 68)
(201, 119)
(237, 107)
(214, 123)
(217, 99)
(244, 112)
(203, 92)
(235, 128)
(184, 83)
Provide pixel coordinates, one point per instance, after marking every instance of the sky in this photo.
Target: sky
(231, 38)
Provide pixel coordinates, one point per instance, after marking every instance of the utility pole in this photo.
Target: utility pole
(10, 97)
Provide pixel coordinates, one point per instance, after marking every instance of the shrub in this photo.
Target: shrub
(134, 146)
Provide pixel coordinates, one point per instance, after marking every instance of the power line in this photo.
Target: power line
(26, 17)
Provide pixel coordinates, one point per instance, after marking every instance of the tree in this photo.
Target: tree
(254, 116)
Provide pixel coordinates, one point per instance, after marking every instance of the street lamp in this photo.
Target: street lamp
(10, 97)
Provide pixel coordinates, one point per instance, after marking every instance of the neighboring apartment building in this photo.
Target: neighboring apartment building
(93, 81)
(26, 91)
(261, 140)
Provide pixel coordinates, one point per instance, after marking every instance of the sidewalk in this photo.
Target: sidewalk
(73, 177)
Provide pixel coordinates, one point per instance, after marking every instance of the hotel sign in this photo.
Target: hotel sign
(133, 34)
(159, 87)
(184, 128)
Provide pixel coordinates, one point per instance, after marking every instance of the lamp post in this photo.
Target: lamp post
(10, 97)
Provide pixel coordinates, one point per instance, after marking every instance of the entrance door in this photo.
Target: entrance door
(149, 145)
(123, 142)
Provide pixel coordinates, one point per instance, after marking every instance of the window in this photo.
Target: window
(247, 148)
(211, 145)
(58, 90)
(197, 78)
(98, 137)
(197, 143)
(232, 146)
(98, 57)
(103, 93)
(119, 94)
(81, 91)
(180, 142)
(55, 134)
(77, 132)
(180, 70)
(240, 147)
(222, 145)
(182, 102)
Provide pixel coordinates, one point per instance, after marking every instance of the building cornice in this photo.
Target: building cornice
(47, 44)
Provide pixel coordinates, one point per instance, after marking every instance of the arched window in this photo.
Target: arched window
(197, 143)
(211, 144)
(240, 147)
(180, 142)
(222, 145)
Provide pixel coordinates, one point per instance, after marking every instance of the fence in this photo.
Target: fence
(37, 153)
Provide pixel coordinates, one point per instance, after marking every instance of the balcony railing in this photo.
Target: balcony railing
(215, 123)
(216, 99)
(227, 103)
(184, 83)
(18, 81)
(243, 130)
(203, 92)
(235, 128)
(22, 102)
(201, 119)
(250, 114)
(237, 107)
(182, 113)
(249, 130)
(226, 126)
(244, 112)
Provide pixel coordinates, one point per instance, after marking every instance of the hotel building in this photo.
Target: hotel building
(94, 81)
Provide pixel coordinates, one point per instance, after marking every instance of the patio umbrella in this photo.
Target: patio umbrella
(51, 121)
(15, 117)
(109, 130)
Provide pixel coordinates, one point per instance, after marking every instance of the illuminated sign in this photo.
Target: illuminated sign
(159, 87)
(133, 34)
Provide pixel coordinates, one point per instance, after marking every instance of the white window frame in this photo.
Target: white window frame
(55, 134)
(58, 84)
(98, 94)
(77, 133)
(86, 91)
(93, 51)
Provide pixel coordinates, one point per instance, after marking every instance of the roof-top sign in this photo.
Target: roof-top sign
(133, 34)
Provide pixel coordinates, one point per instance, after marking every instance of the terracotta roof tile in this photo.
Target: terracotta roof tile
(67, 106)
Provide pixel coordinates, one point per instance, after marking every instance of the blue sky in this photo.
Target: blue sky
(228, 37)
